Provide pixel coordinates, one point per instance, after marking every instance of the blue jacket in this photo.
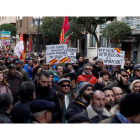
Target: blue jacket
(56, 77)
(29, 71)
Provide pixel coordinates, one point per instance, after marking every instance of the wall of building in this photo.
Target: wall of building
(6, 20)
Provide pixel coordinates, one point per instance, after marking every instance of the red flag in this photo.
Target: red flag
(19, 49)
(64, 29)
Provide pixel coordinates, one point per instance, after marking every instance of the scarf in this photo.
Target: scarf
(121, 118)
(102, 82)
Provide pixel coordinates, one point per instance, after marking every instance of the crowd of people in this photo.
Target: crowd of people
(33, 91)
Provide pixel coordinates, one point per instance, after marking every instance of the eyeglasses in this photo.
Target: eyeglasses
(87, 68)
(137, 70)
(125, 75)
(128, 63)
(65, 85)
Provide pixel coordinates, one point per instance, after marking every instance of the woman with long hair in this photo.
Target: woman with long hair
(135, 86)
(4, 86)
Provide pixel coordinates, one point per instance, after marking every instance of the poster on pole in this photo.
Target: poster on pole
(111, 56)
(71, 55)
(56, 53)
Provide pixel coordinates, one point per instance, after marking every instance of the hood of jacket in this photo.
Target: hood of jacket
(87, 76)
(91, 113)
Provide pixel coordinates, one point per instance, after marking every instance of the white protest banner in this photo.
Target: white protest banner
(111, 56)
(71, 55)
(56, 53)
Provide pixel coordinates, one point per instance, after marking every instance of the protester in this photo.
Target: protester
(23, 72)
(96, 111)
(41, 111)
(102, 81)
(97, 68)
(121, 81)
(114, 72)
(81, 102)
(58, 72)
(109, 98)
(13, 78)
(135, 86)
(6, 102)
(129, 110)
(4, 86)
(117, 94)
(65, 96)
(44, 92)
(21, 111)
(87, 75)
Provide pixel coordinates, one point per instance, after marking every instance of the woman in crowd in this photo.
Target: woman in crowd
(102, 81)
(4, 86)
(135, 86)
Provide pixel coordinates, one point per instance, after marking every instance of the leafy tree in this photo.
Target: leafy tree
(9, 27)
(116, 30)
(51, 28)
(92, 23)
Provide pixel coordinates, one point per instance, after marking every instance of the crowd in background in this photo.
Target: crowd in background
(33, 91)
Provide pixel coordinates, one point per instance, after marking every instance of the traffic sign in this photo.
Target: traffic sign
(5, 32)
(5, 35)
(7, 38)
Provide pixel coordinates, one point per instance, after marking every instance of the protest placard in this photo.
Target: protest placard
(111, 56)
(71, 55)
(56, 53)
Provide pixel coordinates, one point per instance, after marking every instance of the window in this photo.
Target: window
(92, 41)
(103, 41)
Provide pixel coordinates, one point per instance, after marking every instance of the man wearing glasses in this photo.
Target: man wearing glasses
(127, 64)
(87, 75)
(65, 96)
(121, 81)
(136, 74)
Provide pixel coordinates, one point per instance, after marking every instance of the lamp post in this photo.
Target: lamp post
(36, 21)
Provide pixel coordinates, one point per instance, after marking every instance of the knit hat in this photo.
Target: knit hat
(83, 86)
(136, 67)
(50, 72)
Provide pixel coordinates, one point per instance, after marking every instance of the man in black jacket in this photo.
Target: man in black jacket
(81, 102)
(97, 68)
(6, 102)
(21, 111)
(44, 92)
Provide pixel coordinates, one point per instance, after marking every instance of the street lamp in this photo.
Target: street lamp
(36, 21)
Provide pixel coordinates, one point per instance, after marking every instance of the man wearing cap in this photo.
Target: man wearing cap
(136, 75)
(18, 68)
(43, 91)
(29, 67)
(41, 111)
(81, 102)
(65, 96)
(52, 84)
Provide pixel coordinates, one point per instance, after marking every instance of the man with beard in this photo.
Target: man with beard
(96, 111)
(109, 98)
(81, 102)
(23, 72)
(127, 64)
(57, 73)
(44, 92)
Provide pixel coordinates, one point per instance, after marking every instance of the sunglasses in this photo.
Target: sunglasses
(125, 75)
(128, 63)
(87, 68)
(137, 70)
(65, 85)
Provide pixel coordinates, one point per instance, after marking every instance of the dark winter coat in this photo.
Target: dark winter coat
(75, 107)
(50, 95)
(98, 86)
(5, 117)
(96, 71)
(55, 86)
(20, 112)
(24, 75)
(116, 83)
(133, 79)
(93, 116)
(14, 83)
